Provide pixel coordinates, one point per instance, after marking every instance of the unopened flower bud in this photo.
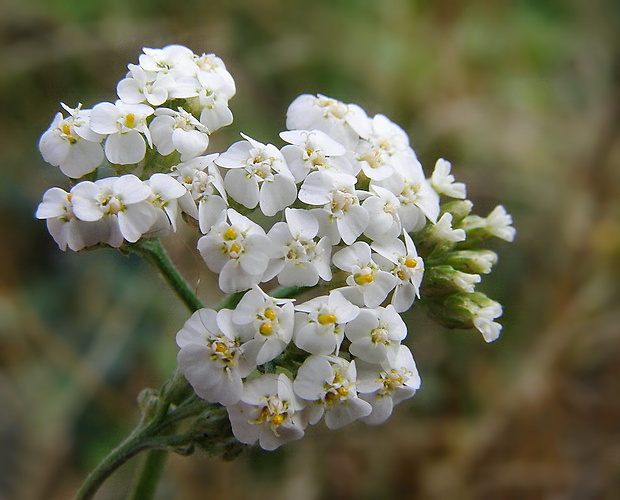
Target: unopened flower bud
(445, 280)
(459, 210)
(467, 310)
(471, 261)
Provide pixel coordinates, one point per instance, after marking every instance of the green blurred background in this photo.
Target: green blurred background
(523, 97)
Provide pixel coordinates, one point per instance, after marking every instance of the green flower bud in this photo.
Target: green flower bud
(459, 210)
(471, 261)
(445, 280)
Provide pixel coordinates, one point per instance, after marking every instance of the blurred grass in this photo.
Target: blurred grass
(522, 97)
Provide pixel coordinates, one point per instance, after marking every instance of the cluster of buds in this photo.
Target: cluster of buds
(341, 216)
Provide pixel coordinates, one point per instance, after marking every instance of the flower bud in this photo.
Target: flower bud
(445, 280)
(471, 261)
(459, 210)
(467, 310)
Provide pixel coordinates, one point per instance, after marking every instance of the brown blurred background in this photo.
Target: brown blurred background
(523, 97)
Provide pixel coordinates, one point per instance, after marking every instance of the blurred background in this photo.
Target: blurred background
(523, 97)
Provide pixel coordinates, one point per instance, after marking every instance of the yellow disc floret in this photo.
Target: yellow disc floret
(265, 329)
(326, 319)
(270, 314)
(364, 279)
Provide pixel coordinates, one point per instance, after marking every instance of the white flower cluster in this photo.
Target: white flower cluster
(344, 204)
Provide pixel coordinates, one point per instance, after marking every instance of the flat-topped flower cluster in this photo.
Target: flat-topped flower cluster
(342, 216)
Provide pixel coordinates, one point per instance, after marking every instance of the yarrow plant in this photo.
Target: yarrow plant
(319, 245)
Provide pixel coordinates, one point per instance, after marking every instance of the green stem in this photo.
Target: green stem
(134, 443)
(154, 252)
(152, 468)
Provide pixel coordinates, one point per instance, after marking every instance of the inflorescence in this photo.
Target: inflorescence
(342, 216)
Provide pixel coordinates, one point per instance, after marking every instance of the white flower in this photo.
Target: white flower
(387, 384)
(443, 182)
(239, 251)
(386, 149)
(140, 86)
(319, 323)
(175, 60)
(342, 216)
(269, 412)
(345, 123)
(310, 150)
(299, 260)
(180, 131)
(268, 322)
(258, 175)
(442, 230)
(210, 98)
(367, 283)
(402, 261)
(210, 64)
(418, 200)
(123, 201)
(484, 312)
(375, 334)
(382, 206)
(499, 224)
(329, 384)
(66, 229)
(71, 145)
(202, 179)
(125, 125)
(166, 193)
(211, 358)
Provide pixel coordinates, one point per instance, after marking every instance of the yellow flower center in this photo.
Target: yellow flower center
(270, 314)
(326, 319)
(364, 279)
(411, 263)
(265, 328)
(130, 120)
(230, 234)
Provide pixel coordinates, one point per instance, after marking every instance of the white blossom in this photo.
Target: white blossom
(166, 193)
(66, 229)
(386, 384)
(367, 284)
(298, 259)
(269, 412)
(329, 384)
(202, 179)
(71, 145)
(402, 261)
(319, 323)
(211, 358)
(238, 250)
(178, 131)
(175, 60)
(258, 175)
(443, 182)
(442, 230)
(385, 151)
(341, 215)
(122, 201)
(375, 334)
(144, 86)
(310, 150)
(499, 224)
(345, 123)
(267, 322)
(125, 125)
(210, 64)
(418, 200)
(383, 207)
